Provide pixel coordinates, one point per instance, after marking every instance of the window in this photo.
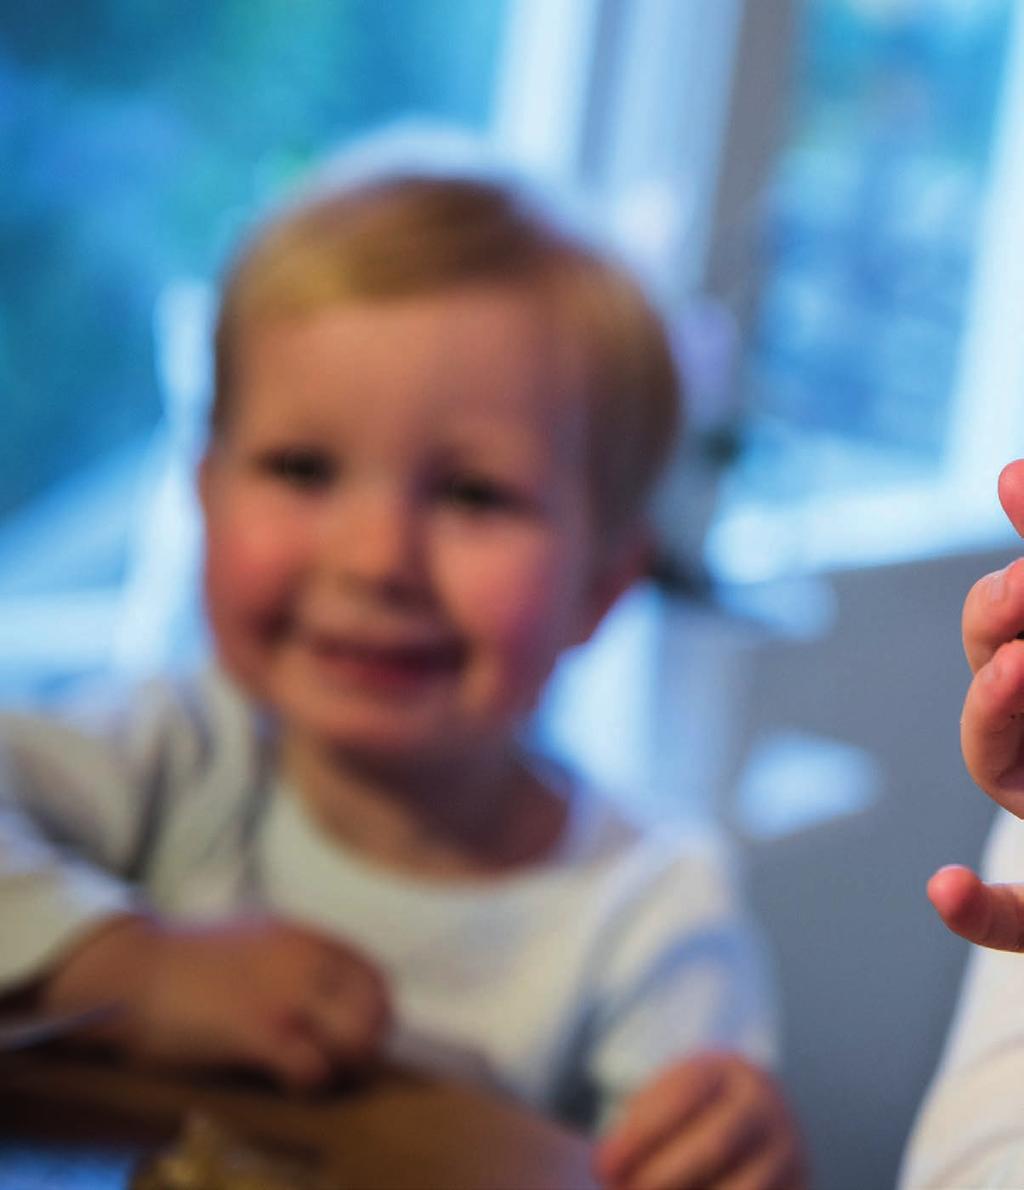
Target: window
(825, 193)
(883, 374)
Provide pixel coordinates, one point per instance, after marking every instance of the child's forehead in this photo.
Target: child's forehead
(472, 351)
(520, 314)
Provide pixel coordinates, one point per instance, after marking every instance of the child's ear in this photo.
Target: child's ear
(621, 567)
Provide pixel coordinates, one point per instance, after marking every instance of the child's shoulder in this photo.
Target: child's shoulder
(602, 829)
(637, 889)
(168, 713)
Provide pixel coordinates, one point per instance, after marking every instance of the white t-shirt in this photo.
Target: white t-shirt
(569, 983)
(970, 1129)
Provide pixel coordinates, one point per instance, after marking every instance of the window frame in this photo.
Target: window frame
(606, 85)
(956, 510)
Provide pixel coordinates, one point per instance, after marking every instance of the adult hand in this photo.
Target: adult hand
(992, 727)
(992, 736)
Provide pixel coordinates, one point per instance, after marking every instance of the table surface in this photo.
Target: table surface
(393, 1131)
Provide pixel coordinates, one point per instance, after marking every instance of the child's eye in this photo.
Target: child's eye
(479, 494)
(299, 467)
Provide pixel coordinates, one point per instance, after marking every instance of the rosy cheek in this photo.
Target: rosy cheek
(517, 608)
(249, 565)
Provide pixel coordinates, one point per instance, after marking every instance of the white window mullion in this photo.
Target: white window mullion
(666, 133)
(544, 84)
(633, 99)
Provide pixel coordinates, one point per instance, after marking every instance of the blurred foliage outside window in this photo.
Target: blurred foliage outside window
(138, 137)
(869, 240)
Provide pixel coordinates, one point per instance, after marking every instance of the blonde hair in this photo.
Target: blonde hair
(399, 231)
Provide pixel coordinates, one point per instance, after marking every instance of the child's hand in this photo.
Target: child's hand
(992, 736)
(256, 992)
(710, 1121)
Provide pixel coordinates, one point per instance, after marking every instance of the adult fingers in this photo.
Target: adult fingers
(992, 727)
(993, 612)
(1011, 493)
(994, 607)
(989, 915)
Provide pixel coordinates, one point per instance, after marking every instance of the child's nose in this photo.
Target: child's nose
(374, 540)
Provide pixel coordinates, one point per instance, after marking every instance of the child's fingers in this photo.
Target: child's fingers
(989, 915)
(993, 613)
(743, 1138)
(344, 1000)
(992, 727)
(316, 1004)
(655, 1113)
(1011, 493)
(701, 1153)
(293, 1054)
(352, 1022)
(779, 1166)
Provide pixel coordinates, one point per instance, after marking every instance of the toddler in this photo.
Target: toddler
(438, 416)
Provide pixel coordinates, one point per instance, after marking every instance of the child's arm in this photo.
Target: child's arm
(992, 736)
(75, 801)
(715, 1119)
(256, 992)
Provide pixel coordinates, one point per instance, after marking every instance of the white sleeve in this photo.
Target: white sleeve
(686, 973)
(970, 1130)
(76, 793)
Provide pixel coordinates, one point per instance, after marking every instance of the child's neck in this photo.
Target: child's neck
(450, 821)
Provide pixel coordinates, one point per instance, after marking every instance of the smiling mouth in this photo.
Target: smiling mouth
(385, 666)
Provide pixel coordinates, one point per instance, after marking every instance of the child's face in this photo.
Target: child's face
(399, 540)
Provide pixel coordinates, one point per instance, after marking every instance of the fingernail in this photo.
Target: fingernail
(997, 585)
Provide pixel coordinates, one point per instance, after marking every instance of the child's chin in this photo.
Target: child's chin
(373, 741)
